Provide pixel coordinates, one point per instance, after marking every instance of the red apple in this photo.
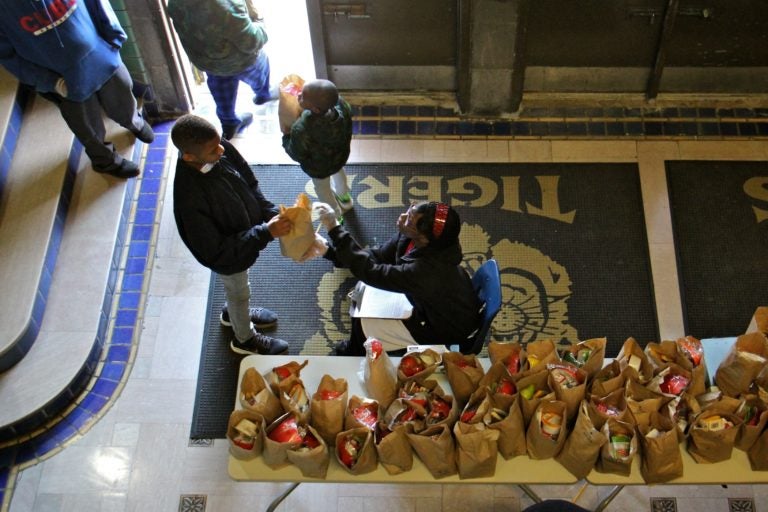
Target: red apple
(506, 387)
(438, 409)
(467, 415)
(310, 441)
(286, 432)
(411, 365)
(376, 349)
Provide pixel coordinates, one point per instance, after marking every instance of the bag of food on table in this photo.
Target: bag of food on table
(418, 365)
(547, 431)
(361, 412)
(642, 401)
(587, 355)
(477, 450)
(582, 447)
(404, 411)
(712, 436)
(613, 405)
(759, 321)
(758, 453)
(753, 413)
(280, 373)
(569, 384)
(392, 447)
(478, 406)
(436, 449)
(440, 407)
(500, 384)
(284, 434)
(328, 405)
(464, 373)
(537, 355)
(690, 355)
(288, 108)
(355, 450)
(293, 397)
(607, 380)
(311, 456)
(635, 361)
(620, 448)
(672, 381)
(661, 458)
(661, 354)
(533, 389)
(507, 418)
(511, 355)
(245, 432)
(255, 396)
(295, 244)
(379, 373)
(743, 364)
(681, 411)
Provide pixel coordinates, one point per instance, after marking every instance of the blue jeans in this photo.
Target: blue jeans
(224, 88)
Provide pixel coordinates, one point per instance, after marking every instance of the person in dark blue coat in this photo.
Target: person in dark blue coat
(69, 52)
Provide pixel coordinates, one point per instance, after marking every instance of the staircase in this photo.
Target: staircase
(62, 228)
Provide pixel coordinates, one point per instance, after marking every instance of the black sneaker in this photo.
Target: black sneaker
(230, 130)
(345, 348)
(262, 318)
(145, 135)
(125, 169)
(274, 94)
(259, 344)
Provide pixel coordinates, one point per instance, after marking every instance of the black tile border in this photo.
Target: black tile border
(564, 122)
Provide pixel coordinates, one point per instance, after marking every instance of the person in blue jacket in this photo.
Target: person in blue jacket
(68, 51)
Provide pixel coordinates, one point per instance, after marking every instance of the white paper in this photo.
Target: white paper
(378, 303)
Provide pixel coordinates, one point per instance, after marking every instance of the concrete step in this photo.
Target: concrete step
(59, 222)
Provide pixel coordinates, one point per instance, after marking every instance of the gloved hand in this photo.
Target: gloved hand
(61, 88)
(326, 214)
(318, 248)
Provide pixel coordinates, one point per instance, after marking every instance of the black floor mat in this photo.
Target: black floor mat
(720, 225)
(569, 238)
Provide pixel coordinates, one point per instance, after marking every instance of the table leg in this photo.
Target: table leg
(615, 492)
(279, 499)
(527, 490)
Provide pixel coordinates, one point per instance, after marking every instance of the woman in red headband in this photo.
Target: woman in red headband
(422, 261)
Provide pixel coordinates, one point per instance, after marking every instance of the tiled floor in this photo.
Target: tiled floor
(138, 457)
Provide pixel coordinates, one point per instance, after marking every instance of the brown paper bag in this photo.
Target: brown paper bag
(279, 439)
(642, 401)
(361, 412)
(759, 321)
(393, 448)
(500, 385)
(511, 355)
(708, 446)
(436, 449)
(743, 364)
(582, 447)
(441, 407)
(355, 451)
(588, 355)
(302, 235)
(533, 389)
(690, 355)
(245, 440)
(510, 425)
(406, 412)
(476, 451)
(280, 373)
(464, 372)
(328, 406)
(379, 375)
(607, 380)
(661, 458)
(569, 384)
(758, 453)
(288, 108)
(638, 368)
(603, 408)
(754, 416)
(312, 461)
(617, 453)
(537, 355)
(544, 439)
(255, 396)
(418, 365)
(293, 398)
